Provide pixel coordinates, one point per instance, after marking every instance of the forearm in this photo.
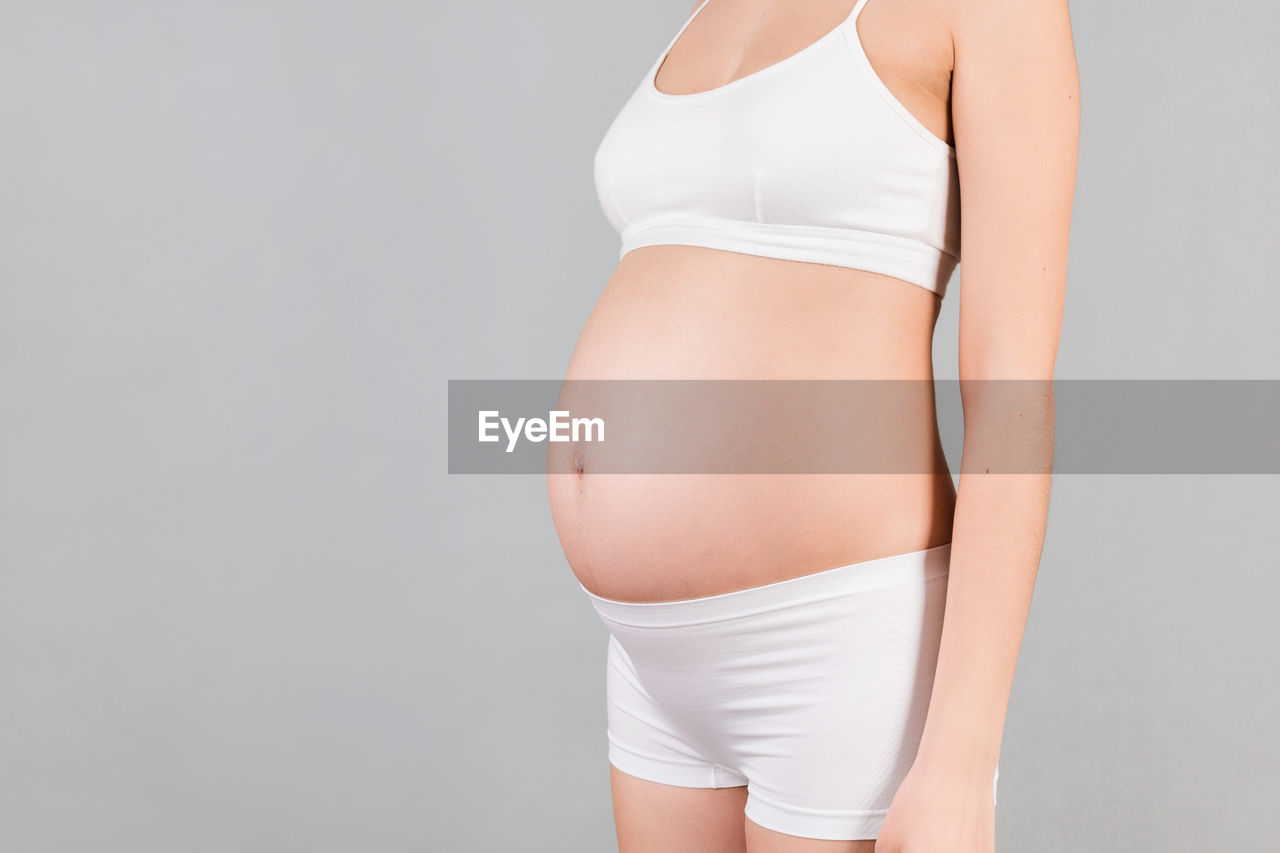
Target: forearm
(995, 552)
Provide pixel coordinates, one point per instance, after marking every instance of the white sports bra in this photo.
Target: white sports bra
(809, 159)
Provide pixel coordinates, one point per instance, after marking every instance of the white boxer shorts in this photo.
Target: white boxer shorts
(810, 691)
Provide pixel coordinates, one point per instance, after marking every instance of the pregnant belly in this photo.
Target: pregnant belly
(691, 529)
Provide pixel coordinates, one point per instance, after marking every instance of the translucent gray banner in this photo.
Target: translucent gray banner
(582, 427)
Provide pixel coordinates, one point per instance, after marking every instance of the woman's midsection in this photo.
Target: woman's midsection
(687, 313)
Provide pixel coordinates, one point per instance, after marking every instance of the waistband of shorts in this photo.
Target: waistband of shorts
(914, 566)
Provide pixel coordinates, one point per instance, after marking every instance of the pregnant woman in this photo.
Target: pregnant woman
(812, 661)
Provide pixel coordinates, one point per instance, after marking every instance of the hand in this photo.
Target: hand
(937, 810)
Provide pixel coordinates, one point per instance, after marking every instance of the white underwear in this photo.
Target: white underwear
(810, 691)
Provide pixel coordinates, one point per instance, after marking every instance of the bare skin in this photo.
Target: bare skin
(650, 817)
(998, 77)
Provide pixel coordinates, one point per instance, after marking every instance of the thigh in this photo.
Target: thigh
(654, 818)
(761, 840)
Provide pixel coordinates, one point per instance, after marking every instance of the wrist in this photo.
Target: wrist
(964, 758)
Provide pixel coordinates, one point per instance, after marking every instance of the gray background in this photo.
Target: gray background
(243, 607)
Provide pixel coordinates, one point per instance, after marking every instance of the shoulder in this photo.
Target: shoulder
(1020, 26)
